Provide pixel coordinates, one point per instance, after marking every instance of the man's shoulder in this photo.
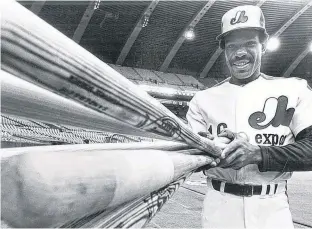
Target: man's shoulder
(214, 88)
(291, 81)
(281, 78)
(222, 83)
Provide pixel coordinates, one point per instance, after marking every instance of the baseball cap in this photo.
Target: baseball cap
(242, 17)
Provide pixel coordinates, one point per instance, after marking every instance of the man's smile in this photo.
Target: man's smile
(241, 64)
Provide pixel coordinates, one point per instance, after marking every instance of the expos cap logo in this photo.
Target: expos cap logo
(239, 18)
(274, 113)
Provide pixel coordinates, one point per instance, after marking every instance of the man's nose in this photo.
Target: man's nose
(241, 52)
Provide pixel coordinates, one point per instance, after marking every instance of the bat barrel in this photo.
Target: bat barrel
(48, 185)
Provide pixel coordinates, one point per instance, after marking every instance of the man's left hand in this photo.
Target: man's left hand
(240, 153)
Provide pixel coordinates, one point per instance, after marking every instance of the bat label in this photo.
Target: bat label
(165, 126)
(82, 98)
(81, 83)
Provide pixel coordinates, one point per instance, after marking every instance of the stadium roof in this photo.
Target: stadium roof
(149, 34)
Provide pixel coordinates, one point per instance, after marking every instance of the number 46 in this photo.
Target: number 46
(217, 129)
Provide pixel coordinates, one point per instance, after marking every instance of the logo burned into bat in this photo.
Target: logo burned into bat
(165, 126)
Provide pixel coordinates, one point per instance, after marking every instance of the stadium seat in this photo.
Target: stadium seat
(148, 75)
(15, 129)
(127, 72)
(169, 78)
(189, 80)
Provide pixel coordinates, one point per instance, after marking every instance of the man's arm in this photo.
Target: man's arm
(296, 156)
(293, 157)
(194, 117)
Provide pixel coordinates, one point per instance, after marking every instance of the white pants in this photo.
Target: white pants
(223, 210)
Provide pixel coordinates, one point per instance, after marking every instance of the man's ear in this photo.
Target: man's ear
(263, 48)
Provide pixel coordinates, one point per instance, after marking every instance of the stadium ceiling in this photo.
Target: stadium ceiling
(150, 34)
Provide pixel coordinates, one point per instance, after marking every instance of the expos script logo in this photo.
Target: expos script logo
(274, 113)
(239, 18)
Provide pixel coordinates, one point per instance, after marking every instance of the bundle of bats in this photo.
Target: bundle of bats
(48, 77)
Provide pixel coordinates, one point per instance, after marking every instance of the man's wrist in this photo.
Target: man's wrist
(258, 155)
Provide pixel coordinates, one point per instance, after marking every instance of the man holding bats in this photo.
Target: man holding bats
(267, 121)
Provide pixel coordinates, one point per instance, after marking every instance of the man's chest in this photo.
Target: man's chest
(264, 114)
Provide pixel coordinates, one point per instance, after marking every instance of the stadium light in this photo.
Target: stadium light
(189, 34)
(146, 20)
(273, 44)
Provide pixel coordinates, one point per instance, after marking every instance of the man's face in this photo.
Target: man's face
(243, 53)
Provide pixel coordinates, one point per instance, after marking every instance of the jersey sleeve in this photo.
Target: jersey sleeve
(303, 112)
(194, 117)
(293, 157)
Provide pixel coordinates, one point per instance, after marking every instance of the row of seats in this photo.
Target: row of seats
(189, 80)
(127, 72)
(156, 77)
(170, 78)
(119, 138)
(33, 134)
(148, 75)
(15, 129)
(19, 140)
(14, 121)
(180, 89)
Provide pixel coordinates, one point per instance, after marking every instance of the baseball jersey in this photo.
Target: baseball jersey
(270, 110)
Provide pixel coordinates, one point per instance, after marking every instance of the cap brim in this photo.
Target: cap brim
(222, 35)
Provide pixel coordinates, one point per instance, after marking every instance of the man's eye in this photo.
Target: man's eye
(230, 46)
(251, 44)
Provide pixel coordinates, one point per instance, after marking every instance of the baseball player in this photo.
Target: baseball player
(268, 122)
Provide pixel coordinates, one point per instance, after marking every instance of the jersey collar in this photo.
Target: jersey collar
(243, 84)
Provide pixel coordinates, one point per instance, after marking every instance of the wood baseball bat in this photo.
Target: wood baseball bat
(35, 51)
(48, 186)
(135, 214)
(159, 145)
(24, 99)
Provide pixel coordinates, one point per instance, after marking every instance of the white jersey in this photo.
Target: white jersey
(270, 110)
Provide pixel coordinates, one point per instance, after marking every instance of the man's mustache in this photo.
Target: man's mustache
(250, 59)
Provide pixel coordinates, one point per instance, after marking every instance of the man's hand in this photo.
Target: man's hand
(220, 142)
(206, 135)
(240, 153)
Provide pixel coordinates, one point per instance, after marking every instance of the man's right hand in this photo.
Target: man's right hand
(206, 135)
(220, 142)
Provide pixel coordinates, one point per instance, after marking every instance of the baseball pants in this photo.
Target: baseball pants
(223, 210)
